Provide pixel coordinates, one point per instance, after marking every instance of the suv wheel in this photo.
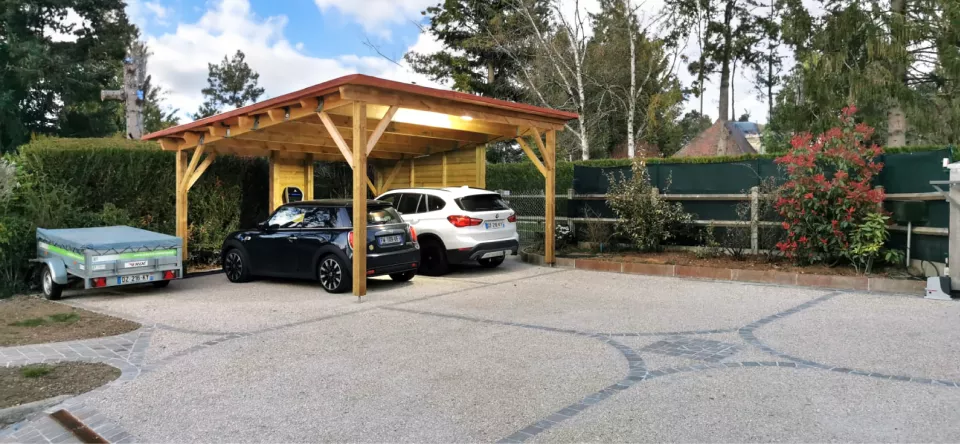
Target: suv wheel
(333, 274)
(433, 258)
(236, 266)
(491, 262)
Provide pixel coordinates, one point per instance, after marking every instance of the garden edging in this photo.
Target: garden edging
(860, 283)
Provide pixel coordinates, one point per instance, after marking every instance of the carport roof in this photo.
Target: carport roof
(492, 115)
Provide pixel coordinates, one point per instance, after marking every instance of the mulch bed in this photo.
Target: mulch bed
(36, 382)
(691, 259)
(31, 320)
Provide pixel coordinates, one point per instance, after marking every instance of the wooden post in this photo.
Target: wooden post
(181, 209)
(443, 168)
(482, 166)
(549, 158)
(755, 220)
(276, 193)
(413, 175)
(308, 178)
(360, 198)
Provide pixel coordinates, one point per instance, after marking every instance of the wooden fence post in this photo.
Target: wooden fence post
(755, 220)
(570, 223)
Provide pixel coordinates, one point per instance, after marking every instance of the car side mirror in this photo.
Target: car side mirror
(264, 226)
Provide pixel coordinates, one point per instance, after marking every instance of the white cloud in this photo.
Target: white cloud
(142, 13)
(71, 19)
(373, 14)
(180, 58)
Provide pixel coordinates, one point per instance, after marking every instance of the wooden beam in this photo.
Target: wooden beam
(170, 144)
(532, 156)
(449, 107)
(372, 187)
(194, 161)
(543, 150)
(260, 120)
(481, 163)
(549, 155)
(338, 139)
(308, 177)
(392, 175)
(428, 132)
(381, 127)
(308, 137)
(243, 146)
(201, 169)
(360, 180)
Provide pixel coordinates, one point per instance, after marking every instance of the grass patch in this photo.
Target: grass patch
(32, 322)
(36, 371)
(64, 317)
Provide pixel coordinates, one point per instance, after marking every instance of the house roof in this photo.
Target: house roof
(707, 143)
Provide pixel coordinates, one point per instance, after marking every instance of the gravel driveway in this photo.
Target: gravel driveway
(526, 353)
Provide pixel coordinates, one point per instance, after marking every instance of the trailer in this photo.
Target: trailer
(106, 257)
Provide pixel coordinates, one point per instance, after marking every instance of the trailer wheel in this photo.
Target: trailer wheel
(51, 289)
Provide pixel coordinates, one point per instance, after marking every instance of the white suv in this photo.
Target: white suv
(456, 225)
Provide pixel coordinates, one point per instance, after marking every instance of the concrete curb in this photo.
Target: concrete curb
(856, 283)
(17, 413)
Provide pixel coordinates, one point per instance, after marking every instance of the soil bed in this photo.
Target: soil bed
(35, 382)
(30, 320)
(691, 259)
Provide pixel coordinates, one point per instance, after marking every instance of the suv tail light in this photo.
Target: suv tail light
(464, 221)
(350, 239)
(413, 234)
(512, 218)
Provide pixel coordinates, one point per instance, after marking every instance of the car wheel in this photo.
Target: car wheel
(491, 262)
(51, 289)
(433, 258)
(236, 266)
(160, 284)
(403, 277)
(333, 274)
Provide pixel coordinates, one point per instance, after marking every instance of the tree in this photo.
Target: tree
(231, 83)
(52, 71)
(636, 70)
(473, 57)
(686, 17)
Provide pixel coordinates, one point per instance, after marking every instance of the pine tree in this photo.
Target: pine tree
(231, 83)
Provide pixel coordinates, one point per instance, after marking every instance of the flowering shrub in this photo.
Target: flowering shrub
(829, 190)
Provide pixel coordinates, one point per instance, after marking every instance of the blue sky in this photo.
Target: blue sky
(291, 43)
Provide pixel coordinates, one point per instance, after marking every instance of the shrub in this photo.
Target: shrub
(829, 190)
(736, 241)
(98, 182)
(8, 178)
(866, 242)
(644, 218)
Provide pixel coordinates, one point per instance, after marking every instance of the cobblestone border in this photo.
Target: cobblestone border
(767, 277)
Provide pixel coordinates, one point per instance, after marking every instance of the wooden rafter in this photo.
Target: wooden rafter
(532, 156)
(337, 138)
(392, 175)
(247, 147)
(320, 137)
(381, 127)
(424, 103)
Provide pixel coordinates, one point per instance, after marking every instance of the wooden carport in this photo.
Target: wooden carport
(356, 118)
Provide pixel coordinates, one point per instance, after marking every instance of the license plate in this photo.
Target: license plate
(135, 264)
(390, 240)
(133, 278)
(492, 254)
(493, 225)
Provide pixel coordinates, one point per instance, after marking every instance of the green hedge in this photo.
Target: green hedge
(95, 182)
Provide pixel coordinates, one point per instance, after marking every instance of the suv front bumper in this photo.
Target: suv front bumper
(477, 251)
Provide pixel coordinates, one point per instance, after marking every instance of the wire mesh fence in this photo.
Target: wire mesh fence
(531, 208)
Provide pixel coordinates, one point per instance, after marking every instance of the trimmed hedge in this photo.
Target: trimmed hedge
(96, 182)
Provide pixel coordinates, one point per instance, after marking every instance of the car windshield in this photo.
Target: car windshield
(482, 202)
